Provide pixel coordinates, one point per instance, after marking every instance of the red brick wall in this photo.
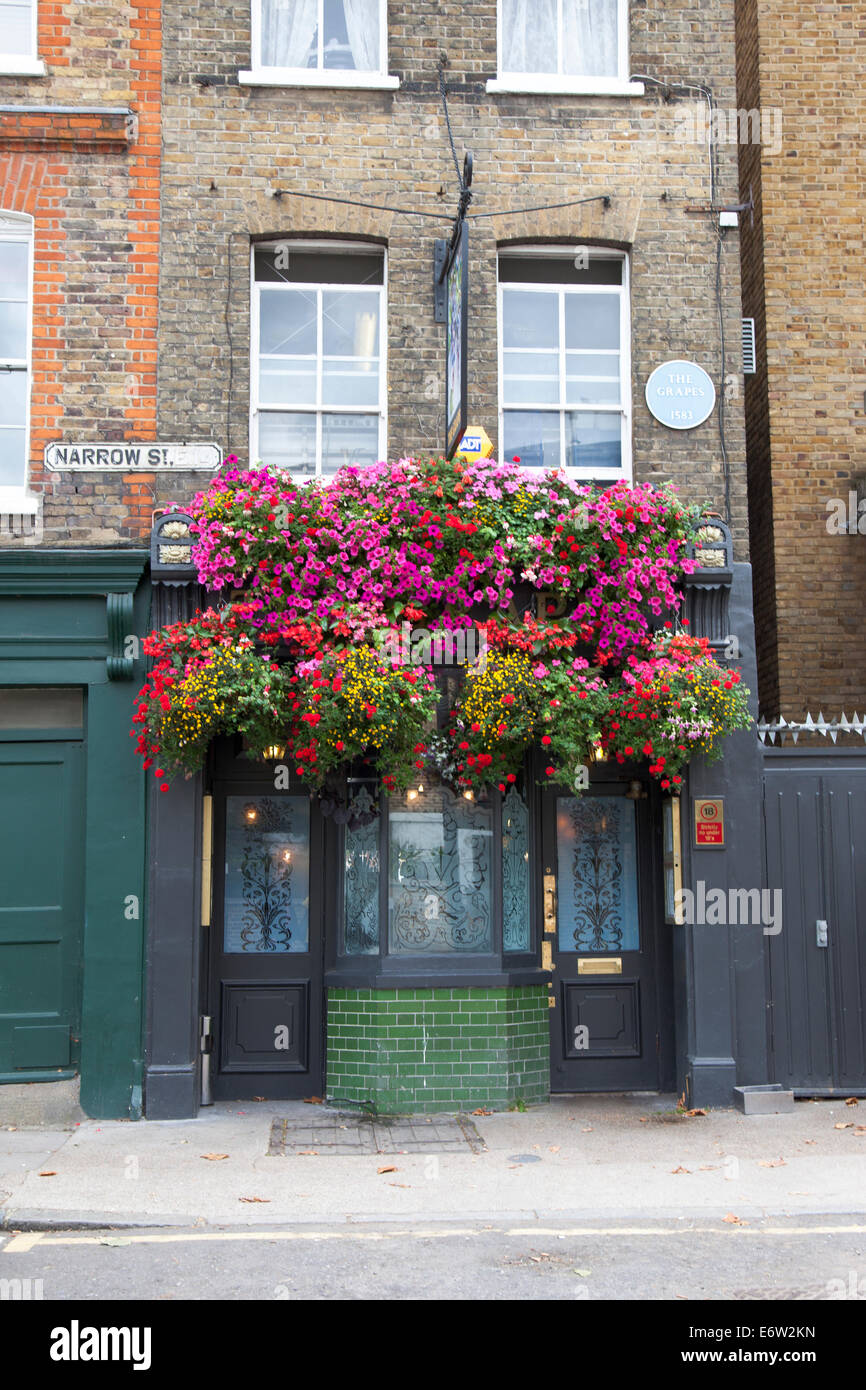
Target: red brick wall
(91, 181)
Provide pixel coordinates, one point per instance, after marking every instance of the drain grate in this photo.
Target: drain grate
(338, 1134)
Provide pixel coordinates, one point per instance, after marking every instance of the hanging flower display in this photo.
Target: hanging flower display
(341, 600)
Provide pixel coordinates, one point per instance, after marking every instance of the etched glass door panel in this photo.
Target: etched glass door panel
(515, 873)
(597, 899)
(267, 874)
(439, 875)
(361, 878)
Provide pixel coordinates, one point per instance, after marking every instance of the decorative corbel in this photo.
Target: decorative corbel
(120, 662)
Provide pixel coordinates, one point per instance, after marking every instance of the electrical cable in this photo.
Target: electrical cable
(444, 94)
(707, 94)
(606, 198)
(725, 463)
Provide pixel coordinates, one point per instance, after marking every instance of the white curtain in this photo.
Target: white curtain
(528, 36)
(362, 27)
(288, 30)
(590, 38)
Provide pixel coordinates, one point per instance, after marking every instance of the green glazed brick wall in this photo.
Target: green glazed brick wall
(409, 1050)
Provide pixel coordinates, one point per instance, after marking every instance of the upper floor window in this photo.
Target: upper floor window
(318, 369)
(16, 247)
(18, 38)
(563, 45)
(564, 370)
(330, 43)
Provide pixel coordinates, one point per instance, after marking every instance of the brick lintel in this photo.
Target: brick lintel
(56, 127)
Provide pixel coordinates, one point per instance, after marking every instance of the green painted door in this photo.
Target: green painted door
(41, 858)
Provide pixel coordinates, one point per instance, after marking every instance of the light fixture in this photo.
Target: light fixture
(274, 753)
(250, 812)
(412, 795)
(635, 790)
(469, 795)
(287, 855)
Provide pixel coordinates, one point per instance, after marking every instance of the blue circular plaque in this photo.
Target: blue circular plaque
(681, 395)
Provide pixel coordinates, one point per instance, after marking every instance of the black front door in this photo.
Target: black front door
(602, 924)
(265, 976)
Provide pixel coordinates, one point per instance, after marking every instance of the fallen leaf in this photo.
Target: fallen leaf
(682, 1295)
(587, 1130)
(584, 1273)
(844, 1124)
(553, 1148)
(308, 1153)
(399, 1184)
(810, 1141)
(254, 1199)
(734, 1220)
(482, 1111)
(644, 1120)
(388, 1168)
(772, 1162)
(859, 1129)
(852, 1100)
(51, 1174)
(259, 1097)
(681, 1169)
(692, 1113)
(708, 1168)
(213, 1158)
(313, 1100)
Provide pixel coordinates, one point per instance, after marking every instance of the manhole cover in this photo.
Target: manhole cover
(328, 1132)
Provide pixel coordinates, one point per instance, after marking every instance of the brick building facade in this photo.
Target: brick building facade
(188, 156)
(805, 410)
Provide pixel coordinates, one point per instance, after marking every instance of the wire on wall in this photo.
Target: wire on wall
(231, 343)
(668, 89)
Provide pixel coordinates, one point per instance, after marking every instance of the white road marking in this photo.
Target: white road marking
(25, 1241)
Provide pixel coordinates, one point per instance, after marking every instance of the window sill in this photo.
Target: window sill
(11, 66)
(289, 77)
(531, 84)
(17, 501)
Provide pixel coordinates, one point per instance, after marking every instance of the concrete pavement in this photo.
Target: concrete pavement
(575, 1158)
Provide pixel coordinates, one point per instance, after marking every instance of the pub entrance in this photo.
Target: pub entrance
(612, 1025)
(264, 977)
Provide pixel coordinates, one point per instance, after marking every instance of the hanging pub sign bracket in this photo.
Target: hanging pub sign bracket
(451, 307)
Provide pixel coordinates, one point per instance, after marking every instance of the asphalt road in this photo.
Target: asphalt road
(798, 1258)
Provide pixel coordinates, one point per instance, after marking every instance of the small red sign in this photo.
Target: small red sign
(709, 822)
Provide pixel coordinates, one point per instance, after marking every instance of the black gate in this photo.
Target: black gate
(815, 825)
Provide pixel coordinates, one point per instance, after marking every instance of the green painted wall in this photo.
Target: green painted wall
(438, 1049)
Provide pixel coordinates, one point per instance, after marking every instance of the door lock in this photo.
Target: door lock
(821, 933)
(549, 903)
(206, 1048)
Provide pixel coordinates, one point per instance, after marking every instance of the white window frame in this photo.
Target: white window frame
(19, 227)
(624, 409)
(564, 84)
(260, 76)
(347, 248)
(24, 64)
